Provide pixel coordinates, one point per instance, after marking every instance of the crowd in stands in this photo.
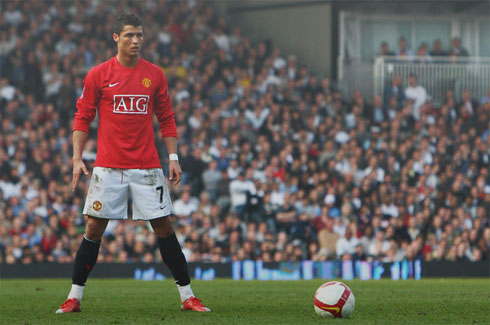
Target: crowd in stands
(278, 164)
(423, 55)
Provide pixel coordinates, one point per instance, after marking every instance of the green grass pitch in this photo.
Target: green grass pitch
(123, 301)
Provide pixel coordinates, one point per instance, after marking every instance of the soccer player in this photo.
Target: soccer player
(125, 91)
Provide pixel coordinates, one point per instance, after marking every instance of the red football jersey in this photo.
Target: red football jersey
(125, 99)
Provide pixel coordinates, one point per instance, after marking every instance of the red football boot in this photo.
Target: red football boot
(70, 306)
(194, 304)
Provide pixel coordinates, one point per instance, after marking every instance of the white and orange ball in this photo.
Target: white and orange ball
(334, 300)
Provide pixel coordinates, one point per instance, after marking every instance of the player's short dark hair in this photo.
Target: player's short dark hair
(125, 19)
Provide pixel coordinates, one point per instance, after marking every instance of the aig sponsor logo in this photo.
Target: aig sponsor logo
(131, 104)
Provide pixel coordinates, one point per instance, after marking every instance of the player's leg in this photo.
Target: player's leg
(106, 199)
(151, 202)
(87, 254)
(175, 260)
(84, 263)
(172, 255)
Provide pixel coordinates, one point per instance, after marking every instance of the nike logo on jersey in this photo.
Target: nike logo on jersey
(112, 85)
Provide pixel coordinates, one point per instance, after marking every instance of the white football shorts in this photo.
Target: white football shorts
(110, 187)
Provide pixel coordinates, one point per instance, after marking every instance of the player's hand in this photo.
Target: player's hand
(174, 172)
(78, 168)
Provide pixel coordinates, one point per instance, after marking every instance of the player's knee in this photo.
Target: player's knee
(162, 227)
(93, 234)
(95, 228)
(164, 231)
(167, 232)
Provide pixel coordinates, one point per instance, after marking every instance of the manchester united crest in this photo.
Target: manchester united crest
(97, 205)
(146, 82)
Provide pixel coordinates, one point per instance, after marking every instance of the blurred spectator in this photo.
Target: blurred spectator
(185, 205)
(12, 15)
(437, 49)
(378, 114)
(403, 52)
(238, 192)
(346, 246)
(395, 90)
(211, 178)
(485, 99)
(468, 104)
(7, 91)
(380, 246)
(417, 94)
(422, 55)
(457, 49)
(385, 50)
(359, 254)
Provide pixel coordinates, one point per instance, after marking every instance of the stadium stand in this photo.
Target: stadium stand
(278, 164)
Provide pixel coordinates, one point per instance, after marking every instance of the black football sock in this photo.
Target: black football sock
(85, 260)
(174, 258)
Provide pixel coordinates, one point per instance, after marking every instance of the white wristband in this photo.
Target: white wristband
(173, 156)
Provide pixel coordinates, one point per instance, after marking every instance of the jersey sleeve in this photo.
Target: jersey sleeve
(87, 103)
(163, 108)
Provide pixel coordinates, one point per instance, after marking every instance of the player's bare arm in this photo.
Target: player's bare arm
(174, 167)
(79, 140)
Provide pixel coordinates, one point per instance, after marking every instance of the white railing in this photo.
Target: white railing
(437, 75)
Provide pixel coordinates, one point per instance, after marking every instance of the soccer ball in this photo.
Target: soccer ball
(334, 300)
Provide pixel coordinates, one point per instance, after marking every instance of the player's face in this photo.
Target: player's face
(130, 40)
